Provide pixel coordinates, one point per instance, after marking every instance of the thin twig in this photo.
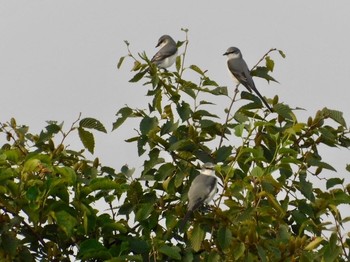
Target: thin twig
(183, 60)
(228, 116)
(263, 57)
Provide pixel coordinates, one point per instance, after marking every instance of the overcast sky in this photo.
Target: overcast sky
(58, 58)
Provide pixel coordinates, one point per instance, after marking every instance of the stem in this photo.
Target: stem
(263, 57)
(228, 116)
(183, 60)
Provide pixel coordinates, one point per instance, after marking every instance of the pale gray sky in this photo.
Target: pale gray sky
(58, 58)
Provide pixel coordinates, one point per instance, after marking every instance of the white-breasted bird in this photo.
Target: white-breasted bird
(240, 72)
(202, 190)
(166, 56)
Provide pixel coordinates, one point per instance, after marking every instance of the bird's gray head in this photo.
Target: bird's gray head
(165, 39)
(208, 169)
(233, 52)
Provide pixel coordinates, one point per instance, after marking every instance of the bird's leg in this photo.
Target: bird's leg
(205, 208)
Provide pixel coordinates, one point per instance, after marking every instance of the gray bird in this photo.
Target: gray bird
(240, 72)
(202, 190)
(167, 53)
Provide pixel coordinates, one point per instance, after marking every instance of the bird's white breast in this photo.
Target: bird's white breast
(167, 62)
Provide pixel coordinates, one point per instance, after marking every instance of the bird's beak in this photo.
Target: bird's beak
(158, 44)
(225, 53)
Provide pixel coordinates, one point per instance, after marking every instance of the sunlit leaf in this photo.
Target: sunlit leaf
(197, 237)
(196, 69)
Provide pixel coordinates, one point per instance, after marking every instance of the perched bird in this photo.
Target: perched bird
(240, 72)
(202, 190)
(167, 53)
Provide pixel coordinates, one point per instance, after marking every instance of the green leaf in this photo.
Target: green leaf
(208, 82)
(197, 237)
(171, 251)
(220, 90)
(147, 124)
(331, 182)
(141, 142)
(347, 167)
(178, 63)
(128, 172)
(9, 244)
(138, 76)
(284, 110)
(120, 61)
(32, 193)
(138, 246)
(92, 249)
(197, 69)
(92, 124)
(87, 139)
(181, 145)
(224, 238)
(68, 174)
(314, 243)
(270, 64)
(306, 188)
(337, 116)
(205, 123)
(257, 172)
(12, 155)
(125, 112)
(282, 53)
(332, 251)
(239, 130)
(66, 222)
(31, 165)
(103, 183)
(200, 113)
(144, 211)
(239, 251)
(184, 111)
(263, 72)
(223, 153)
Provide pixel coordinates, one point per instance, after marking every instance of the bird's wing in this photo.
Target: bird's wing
(240, 71)
(163, 53)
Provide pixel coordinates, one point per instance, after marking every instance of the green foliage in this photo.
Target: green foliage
(47, 192)
(276, 201)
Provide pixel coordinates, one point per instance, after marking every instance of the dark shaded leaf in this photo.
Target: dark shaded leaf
(148, 124)
(223, 153)
(138, 76)
(184, 111)
(92, 124)
(125, 112)
(335, 115)
(171, 251)
(263, 72)
(87, 139)
(224, 237)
